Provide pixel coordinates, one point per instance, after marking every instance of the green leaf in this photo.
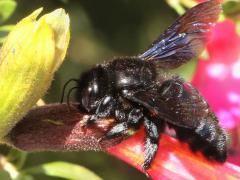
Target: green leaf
(238, 27)
(7, 7)
(180, 5)
(204, 55)
(176, 5)
(64, 170)
(4, 175)
(17, 157)
(187, 70)
(4, 30)
(25, 177)
(189, 3)
(64, 1)
(231, 8)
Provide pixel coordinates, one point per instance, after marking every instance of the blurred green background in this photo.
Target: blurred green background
(100, 30)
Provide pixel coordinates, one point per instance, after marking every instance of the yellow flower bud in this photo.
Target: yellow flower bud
(32, 52)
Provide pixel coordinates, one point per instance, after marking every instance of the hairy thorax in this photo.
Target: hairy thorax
(131, 72)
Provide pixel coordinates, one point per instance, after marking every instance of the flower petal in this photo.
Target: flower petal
(28, 60)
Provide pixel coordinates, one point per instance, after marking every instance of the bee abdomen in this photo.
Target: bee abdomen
(208, 138)
(214, 139)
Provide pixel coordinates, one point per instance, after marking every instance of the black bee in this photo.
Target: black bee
(137, 90)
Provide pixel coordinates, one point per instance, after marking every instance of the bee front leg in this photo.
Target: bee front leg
(105, 109)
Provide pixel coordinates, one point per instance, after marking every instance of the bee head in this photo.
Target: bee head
(92, 88)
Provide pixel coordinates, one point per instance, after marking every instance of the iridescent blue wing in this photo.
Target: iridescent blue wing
(185, 38)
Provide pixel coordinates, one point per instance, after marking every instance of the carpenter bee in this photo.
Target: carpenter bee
(137, 90)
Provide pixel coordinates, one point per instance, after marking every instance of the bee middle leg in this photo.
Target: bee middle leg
(153, 131)
(153, 128)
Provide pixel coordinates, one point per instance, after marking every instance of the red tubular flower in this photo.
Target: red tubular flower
(174, 160)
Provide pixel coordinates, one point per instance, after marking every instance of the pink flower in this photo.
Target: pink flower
(218, 78)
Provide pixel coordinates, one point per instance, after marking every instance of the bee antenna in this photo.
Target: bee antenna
(69, 93)
(64, 88)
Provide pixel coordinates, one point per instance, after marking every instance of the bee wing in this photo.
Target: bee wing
(185, 38)
(177, 102)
